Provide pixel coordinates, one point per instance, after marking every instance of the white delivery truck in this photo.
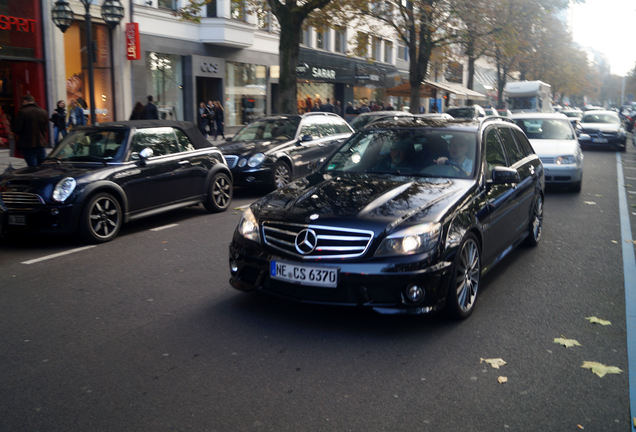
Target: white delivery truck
(528, 96)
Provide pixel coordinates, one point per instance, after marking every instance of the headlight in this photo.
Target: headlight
(256, 160)
(248, 227)
(565, 160)
(63, 189)
(410, 241)
(242, 162)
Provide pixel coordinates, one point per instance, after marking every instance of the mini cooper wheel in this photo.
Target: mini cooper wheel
(282, 174)
(219, 194)
(536, 222)
(464, 278)
(101, 218)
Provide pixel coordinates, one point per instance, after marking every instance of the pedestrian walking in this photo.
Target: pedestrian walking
(31, 128)
(58, 118)
(203, 118)
(137, 112)
(76, 115)
(210, 114)
(219, 119)
(150, 110)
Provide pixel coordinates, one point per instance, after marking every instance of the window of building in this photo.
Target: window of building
(306, 39)
(403, 52)
(263, 17)
(237, 10)
(362, 45)
(210, 9)
(167, 4)
(388, 51)
(245, 93)
(340, 44)
(322, 38)
(164, 82)
(376, 48)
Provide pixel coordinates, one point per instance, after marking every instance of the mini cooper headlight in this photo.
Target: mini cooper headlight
(565, 160)
(413, 240)
(256, 160)
(63, 189)
(248, 226)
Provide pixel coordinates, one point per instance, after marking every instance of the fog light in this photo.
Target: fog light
(233, 266)
(250, 179)
(414, 293)
(55, 212)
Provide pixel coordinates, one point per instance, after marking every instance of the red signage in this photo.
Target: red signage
(16, 23)
(133, 51)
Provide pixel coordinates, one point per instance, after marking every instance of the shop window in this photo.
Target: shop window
(322, 38)
(362, 45)
(164, 83)
(210, 9)
(167, 4)
(376, 48)
(388, 51)
(237, 10)
(340, 44)
(245, 91)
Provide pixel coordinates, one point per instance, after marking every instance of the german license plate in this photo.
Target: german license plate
(17, 220)
(600, 140)
(305, 275)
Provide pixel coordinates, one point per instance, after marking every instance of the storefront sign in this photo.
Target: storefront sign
(133, 50)
(8, 22)
(208, 66)
(303, 70)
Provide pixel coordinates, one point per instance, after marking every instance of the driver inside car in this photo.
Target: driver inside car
(458, 152)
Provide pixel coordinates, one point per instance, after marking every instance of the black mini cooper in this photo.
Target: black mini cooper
(405, 217)
(102, 176)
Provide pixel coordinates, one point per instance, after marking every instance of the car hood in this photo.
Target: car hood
(36, 179)
(603, 127)
(244, 148)
(377, 202)
(545, 147)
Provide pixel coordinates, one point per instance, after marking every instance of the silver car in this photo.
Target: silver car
(557, 145)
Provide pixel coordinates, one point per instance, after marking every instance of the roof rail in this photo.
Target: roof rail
(493, 117)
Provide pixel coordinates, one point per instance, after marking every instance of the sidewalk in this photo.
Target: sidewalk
(6, 160)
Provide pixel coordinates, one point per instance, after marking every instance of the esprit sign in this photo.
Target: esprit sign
(133, 51)
(8, 22)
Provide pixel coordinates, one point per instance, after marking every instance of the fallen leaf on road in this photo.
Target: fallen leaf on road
(614, 241)
(494, 362)
(502, 379)
(580, 427)
(600, 369)
(589, 202)
(630, 241)
(595, 320)
(568, 343)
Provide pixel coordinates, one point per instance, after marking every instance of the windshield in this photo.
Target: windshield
(419, 152)
(360, 121)
(91, 146)
(549, 129)
(467, 113)
(269, 129)
(600, 118)
(523, 103)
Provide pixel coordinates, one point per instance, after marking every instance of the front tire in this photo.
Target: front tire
(219, 193)
(101, 218)
(282, 174)
(465, 277)
(536, 222)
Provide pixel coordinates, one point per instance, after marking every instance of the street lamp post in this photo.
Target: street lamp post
(112, 13)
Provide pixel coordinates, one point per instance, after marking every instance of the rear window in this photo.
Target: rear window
(600, 118)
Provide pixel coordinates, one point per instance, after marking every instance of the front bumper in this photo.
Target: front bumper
(55, 219)
(562, 174)
(377, 285)
(606, 142)
(261, 176)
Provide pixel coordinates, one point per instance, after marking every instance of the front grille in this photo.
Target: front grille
(547, 160)
(330, 242)
(598, 134)
(231, 160)
(12, 199)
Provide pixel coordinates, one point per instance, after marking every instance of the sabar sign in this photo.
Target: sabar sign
(323, 73)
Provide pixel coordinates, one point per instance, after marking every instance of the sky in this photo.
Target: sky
(609, 27)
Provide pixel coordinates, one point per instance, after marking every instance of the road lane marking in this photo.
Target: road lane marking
(630, 178)
(629, 272)
(163, 227)
(57, 255)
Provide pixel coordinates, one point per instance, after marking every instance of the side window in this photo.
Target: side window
(523, 142)
(341, 126)
(310, 127)
(510, 145)
(495, 155)
(184, 142)
(162, 141)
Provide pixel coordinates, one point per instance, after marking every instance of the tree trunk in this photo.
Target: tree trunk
(289, 50)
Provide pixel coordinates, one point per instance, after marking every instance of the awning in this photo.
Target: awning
(426, 90)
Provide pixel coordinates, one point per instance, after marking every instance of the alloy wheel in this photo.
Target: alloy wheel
(222, 191)
(104, 217)
(467, 273)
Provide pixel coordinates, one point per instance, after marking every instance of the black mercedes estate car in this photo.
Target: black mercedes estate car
(271, 151)
(405, 217)
(102, 176)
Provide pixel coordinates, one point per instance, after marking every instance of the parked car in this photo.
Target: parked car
(100, 177)
(272, 151)
(467, 112)
(555, 141)
(574, 116)
(361, 120)
(404, 218)
(602, 129)
(504, 112)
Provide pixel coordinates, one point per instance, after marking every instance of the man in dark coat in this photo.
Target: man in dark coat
(150, 110)
(31, 126)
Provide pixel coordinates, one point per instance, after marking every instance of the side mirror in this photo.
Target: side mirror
(306, 138)
(503, 175)
(584, 137)
(144, 155)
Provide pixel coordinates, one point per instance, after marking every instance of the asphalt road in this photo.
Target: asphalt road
(145, 334)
